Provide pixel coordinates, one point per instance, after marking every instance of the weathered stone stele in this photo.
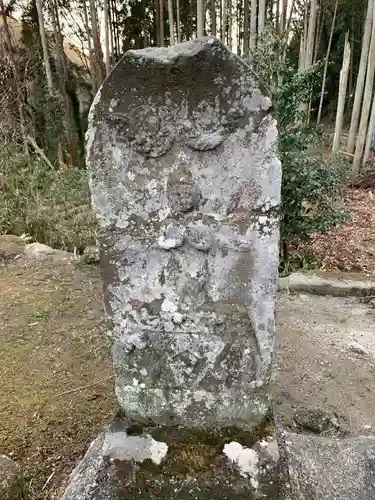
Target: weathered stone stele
(185, 184)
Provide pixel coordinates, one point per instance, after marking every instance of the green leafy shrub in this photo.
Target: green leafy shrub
(51, 206)
(312, 182)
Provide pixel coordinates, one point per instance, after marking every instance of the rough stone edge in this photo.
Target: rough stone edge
(12, 484)
(83, 478)
(318, 285)
(285, 440)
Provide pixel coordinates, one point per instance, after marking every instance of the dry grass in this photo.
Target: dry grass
(53, 348)
(351, 246)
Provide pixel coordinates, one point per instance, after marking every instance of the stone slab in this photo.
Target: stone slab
(322, 468)
(185, 184)
(327, 285)
(174, 464)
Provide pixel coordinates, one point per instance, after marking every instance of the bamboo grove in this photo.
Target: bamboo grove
(339, 35)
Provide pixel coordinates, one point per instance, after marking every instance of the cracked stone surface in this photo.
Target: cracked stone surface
(185, 183)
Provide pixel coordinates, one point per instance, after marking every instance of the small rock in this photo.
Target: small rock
(11, 246)
(36, 250)
(317, 420)
(357, 348)
(11, 480)
(39, 251)
(303, 297)
(91, 255)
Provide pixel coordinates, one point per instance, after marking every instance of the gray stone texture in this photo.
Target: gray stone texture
(185, 184)
(11, 480)
(322, 468)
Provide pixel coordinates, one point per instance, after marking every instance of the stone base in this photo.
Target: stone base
(173, 463)
(322, 468)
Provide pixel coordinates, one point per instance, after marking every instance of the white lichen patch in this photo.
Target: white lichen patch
(245, 459)
(120, 446)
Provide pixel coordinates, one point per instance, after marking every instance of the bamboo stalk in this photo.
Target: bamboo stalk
(16, 77)
(106, 39)
(178, 21)
(200, 18)
(311, 34)
(230, 23)
(261, 16)
(171, 22)
(253, 24)
(303, 44)
(326, 64)
(289, 20)
(246, 28)
(361, 77)
(367, 96)
(370, 131)
(342, 95)
(213, 17)
(161, 22)
(223, 20)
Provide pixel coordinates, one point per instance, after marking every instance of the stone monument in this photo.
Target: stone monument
(185, 184)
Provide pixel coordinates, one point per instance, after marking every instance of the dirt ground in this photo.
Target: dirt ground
(325, 359)
(52, 343)
(57, 386)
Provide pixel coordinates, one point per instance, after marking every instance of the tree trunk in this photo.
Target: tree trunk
(326, 63)
(342, 95)
(111, 35)
(239, 26)
(63, 76)
(277, 16)
(16, 77)
(367, 97)
(318, 35)
(213, 17)
(261, 16)
(370, 132)
(302, 63)
(200, 18)
(157, 22)
(116, 35)
(311, 34)
(171, 22)
(98, 54)
(224, 21)
(253, 24)
(43, 38)
(246, 28)
(289, 20)
(89, 44)
(106, 39)
(178, 21)
(361, 77)
(47, 65)
(230, 23)
(161, 22)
